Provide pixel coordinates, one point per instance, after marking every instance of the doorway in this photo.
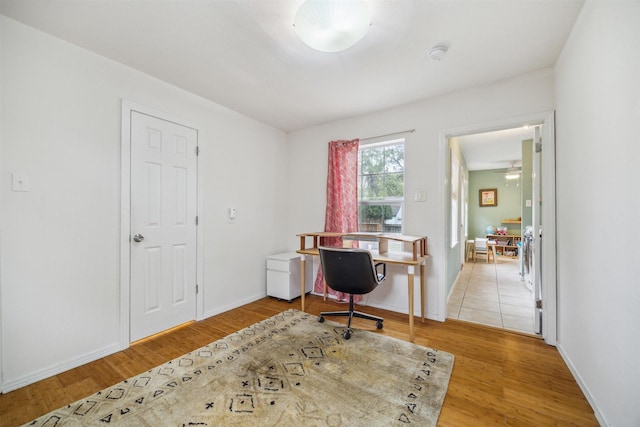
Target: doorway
(160, 241)
(498, 273)
(487, 291)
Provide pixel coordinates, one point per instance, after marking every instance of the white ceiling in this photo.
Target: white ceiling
(245, 55)
(494, 150)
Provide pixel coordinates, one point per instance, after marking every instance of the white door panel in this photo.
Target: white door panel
(163, 213)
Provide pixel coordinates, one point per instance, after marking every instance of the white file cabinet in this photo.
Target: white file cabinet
(283, 276)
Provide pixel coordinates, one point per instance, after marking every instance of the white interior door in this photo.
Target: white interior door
(163, 225)
(536, 252)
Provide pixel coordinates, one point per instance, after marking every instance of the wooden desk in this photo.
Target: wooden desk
(416, 256)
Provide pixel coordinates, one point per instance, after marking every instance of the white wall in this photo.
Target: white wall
(59, 248)
(424, 165)
(598, 205)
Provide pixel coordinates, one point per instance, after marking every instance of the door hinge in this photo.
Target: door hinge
(197, 288)
(196, 219)
(539, 304)
(197, 150)
(538, 147)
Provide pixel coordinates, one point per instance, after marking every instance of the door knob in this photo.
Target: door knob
(138, 237)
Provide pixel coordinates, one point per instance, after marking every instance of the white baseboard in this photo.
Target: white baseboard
(233, 305)
(365, 302)
(585, 390)
(36, 376)
(454, 285)
(404, 310)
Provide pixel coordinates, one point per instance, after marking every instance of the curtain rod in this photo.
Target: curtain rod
(388, 134)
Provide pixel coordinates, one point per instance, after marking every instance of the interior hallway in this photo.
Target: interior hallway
(494, 295)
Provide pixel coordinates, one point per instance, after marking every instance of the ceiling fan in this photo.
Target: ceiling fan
(511, 172)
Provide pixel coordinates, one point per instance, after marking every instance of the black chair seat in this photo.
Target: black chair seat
(353, 272)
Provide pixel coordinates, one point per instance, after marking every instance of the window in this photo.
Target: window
(381, 186)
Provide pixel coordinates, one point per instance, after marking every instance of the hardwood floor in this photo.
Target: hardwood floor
(499, 378)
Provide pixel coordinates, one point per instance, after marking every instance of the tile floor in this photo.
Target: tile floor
(494, 295)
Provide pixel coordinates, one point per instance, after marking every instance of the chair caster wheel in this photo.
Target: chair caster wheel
(379, 325)
(347, 335)
(321, 319)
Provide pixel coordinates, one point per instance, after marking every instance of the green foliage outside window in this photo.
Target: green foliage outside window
(373, 213)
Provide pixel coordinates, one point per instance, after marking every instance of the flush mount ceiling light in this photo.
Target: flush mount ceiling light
(332, 25)
(438, 53)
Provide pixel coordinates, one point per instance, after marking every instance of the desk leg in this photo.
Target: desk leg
(410, 276)
(422, 283)
(303, 267)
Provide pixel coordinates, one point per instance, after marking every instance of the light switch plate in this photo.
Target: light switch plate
(420, 196)
(20, 182)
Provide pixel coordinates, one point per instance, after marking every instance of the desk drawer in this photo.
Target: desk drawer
(279, 265)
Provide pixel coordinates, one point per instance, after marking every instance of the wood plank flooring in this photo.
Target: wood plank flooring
(499, 378)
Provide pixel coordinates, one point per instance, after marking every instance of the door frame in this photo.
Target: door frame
(125, 216)
(548, 211)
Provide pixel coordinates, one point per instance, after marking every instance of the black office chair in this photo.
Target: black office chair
(353, 272)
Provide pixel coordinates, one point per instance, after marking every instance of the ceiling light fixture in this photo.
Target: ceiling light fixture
(438, 53)
(332, 25)
(511, 174)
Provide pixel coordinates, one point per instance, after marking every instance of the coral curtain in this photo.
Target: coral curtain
(341, 215)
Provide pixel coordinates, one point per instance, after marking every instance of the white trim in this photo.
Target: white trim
(549, 257)
(235, 304)
(384, 143)
(125, 221)
(60, 367)
(583, 386)
(455, 280)
(549, 321)
(200, 235)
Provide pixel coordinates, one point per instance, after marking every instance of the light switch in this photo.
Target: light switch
(420, 196)
(528, 203)
(20, 182)
(231, 215)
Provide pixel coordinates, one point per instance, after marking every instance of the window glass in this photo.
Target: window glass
(381, 187)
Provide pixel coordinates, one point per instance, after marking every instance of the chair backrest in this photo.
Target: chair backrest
(349, 270)
(481, 244)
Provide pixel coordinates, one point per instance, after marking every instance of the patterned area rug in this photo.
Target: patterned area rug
(288, 370)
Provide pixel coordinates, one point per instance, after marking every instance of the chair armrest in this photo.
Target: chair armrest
(384, 271)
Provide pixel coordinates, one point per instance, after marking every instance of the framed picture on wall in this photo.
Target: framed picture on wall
(489, 197)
